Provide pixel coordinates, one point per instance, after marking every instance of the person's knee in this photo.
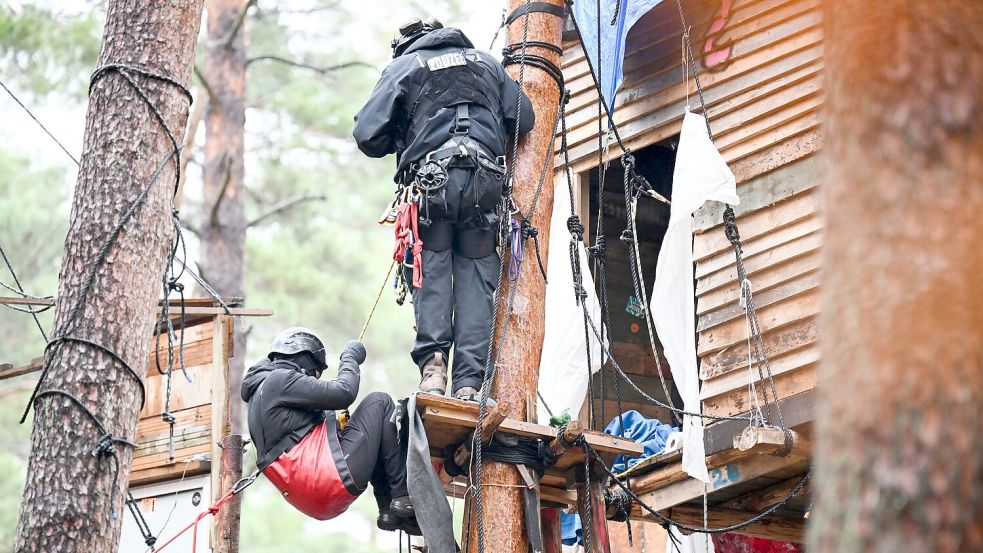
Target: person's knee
(378, 397)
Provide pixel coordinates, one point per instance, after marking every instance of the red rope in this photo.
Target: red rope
(408, 241)
(214, 508)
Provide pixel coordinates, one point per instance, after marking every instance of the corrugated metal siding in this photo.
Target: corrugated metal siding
(764, 110)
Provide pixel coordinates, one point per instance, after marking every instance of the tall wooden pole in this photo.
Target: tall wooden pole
(517, 375)
(70, 494)
(899, 454)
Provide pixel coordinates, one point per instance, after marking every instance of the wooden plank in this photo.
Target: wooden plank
(760, 500)
(772, 239)
(763, 190)
(643, 130)
(770, 317)
(736, 401)
(797, 411)
(780, 214)
(200, 415)
(793, 148)
(738, 379)
(161, 459)
(777, 343)
(184, 394)
(799, 267)
(722, 477)
(761, 261)
(773, 135)
(775, 527)
(219, 399)
(7, 370)
(170, 472)
(786, 289)
(464, 414)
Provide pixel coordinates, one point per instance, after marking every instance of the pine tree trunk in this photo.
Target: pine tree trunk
(517, 381)
(223, 235)
(67, 503)
(900, 425)
(223, 232)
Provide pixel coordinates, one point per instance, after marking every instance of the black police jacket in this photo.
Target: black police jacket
(282, 400)
(412, 110)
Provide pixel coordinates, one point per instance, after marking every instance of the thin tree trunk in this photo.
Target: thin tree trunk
(223, 232)
(900, 425)
(517, 382)
(67, 498)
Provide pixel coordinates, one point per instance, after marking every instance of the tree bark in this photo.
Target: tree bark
(67, 497)
(223, 231)
(518, 363)
(900, 457)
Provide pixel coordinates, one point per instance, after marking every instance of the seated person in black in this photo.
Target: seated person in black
(319, 466)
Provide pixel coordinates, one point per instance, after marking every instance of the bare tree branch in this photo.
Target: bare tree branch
(213, 216)
(228, 38)
(189, 145)
(204, 82)
(326, 70)
(284, 206)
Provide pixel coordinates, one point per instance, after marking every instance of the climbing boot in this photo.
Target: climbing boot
(390, 522)
(410, 526)
(401, 506)
(467, 393)
(434, 379)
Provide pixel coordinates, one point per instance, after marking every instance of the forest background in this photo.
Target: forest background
(318, 263)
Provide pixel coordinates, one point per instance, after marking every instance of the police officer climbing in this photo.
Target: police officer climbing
(318, 463)
(446, 110)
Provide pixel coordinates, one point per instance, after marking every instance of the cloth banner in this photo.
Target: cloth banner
(700, 175)
(563, 364)
(617, 18)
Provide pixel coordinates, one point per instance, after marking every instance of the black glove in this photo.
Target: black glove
(356, 350)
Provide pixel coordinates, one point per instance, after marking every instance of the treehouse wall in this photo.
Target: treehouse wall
(762, 82)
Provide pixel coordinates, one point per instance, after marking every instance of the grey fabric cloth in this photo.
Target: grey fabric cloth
(433, 513)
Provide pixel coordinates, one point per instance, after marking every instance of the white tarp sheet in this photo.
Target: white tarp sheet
(700, 175)
(692, 543)
(563, 365)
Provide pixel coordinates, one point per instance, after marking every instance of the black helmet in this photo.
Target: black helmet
(412, 30)
(298, 339)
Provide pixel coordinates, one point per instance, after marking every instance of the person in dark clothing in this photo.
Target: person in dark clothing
(319, 465)
(446, 110)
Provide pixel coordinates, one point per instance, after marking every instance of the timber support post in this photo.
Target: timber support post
(522, 331)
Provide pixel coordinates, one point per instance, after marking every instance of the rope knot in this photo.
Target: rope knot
(575, 227)
(628, 162)
(529, 231)
(626, 236)
(597, 251)
(730, 228)
(104, 446)
(176, 286)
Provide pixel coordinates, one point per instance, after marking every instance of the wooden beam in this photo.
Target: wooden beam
(722, 477)
(760, 500)
(9, 371)
(797, 410)
(771, 440)
(774, 527)
(174, 302)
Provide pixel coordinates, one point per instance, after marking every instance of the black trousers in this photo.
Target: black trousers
(454, 306)
(372, 448)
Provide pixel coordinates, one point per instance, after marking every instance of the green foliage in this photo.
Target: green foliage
(49, 52)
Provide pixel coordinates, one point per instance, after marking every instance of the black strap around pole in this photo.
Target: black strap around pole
(533, 7)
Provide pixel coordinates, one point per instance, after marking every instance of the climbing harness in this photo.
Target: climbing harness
(409, 247)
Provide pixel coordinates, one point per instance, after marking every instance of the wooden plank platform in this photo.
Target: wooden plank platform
(449, 422)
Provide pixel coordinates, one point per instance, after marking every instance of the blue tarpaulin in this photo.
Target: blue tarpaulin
(613, 37)
(651, 433)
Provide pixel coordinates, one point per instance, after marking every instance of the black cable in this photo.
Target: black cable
(40, 124)
(33, 312)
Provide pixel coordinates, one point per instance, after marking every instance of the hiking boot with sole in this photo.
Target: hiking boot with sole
(434, 379)
(389, 522)
(401, 506)
(467, 393)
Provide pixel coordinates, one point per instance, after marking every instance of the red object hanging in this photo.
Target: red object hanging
(408, 239)
(738, 543)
